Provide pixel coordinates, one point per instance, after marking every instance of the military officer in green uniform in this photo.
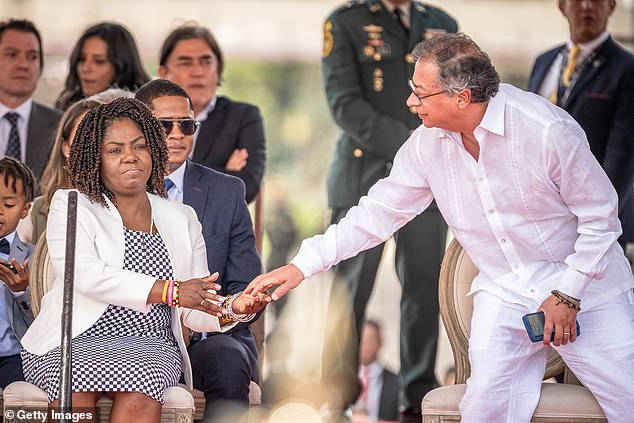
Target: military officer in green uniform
(366, 65)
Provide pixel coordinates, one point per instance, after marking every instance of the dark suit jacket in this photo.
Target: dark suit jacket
(366, 87)
(19, 308)
(218, 200)
(40, 136)
(388, 406)
(229, 126)
(602, 101)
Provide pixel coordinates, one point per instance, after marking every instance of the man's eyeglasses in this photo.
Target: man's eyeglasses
(421, 97)
(187, 126)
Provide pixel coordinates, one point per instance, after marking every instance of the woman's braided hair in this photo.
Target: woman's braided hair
(84, 164)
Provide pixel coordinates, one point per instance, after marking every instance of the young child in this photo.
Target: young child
(16, 193)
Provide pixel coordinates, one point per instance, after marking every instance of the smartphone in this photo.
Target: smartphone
(534, 323)
(9, 265)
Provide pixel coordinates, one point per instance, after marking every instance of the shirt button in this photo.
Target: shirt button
(491, 211)
(532, 291)
(480, 179)
(503, 240)
(357, 153)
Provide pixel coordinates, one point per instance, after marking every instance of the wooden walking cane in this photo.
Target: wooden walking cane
(65, 382)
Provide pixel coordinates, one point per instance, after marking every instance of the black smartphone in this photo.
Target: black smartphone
(534, 323)
(9, 265)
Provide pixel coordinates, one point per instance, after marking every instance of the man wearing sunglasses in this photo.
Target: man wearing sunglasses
(223, 366)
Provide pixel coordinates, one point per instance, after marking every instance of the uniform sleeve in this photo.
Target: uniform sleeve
(341, 73)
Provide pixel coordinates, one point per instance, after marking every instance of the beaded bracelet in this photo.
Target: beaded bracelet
(571, 302)
(175, 299)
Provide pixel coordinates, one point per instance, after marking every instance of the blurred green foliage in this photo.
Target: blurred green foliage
(300, 133)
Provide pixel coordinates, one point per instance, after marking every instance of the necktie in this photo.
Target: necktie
(566, 74)
(169, 184)
(5, 247)
(13, 146)
(398, 15)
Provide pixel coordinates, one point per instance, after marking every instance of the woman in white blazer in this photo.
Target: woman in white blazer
(131, 245)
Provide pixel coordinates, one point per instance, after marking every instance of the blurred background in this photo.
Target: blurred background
(272, 52)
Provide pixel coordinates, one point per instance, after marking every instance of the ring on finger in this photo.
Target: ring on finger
(202, 303)
(567, 333)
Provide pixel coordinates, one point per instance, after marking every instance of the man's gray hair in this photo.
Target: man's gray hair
(461, 65)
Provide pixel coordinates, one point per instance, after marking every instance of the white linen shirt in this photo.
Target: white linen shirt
(536, 212)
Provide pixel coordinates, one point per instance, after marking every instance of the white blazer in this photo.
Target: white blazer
(99, 276)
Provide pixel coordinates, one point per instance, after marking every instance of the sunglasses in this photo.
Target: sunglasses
(187, 126)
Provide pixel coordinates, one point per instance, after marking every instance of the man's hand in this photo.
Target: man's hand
(561, 318)
(287, 277)
(18, 281)
(238, 160)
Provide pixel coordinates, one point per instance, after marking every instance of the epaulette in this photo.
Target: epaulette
(348, 5)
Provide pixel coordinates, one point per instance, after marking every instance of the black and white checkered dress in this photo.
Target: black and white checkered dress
(125, 350)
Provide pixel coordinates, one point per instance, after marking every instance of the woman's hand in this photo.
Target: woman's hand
(198, 294)
(249, 304)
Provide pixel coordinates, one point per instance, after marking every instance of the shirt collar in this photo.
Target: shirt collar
(9, 237)
(24, 109)
(204, 113)
(389, 6)
(178, 176)
(493, 119)
(590, 46)
(374, 369)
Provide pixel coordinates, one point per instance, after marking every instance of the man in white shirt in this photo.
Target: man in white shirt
(519, 188)
(26, 127)
(592, 77)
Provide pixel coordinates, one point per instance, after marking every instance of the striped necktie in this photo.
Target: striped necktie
(566, 74)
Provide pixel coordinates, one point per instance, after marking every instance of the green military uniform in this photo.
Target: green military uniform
(366, 64)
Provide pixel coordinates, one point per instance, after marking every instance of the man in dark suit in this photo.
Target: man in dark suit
(231, 135)
(592, 78)
(366, 57)
(379, 393)
(26, 127)
(223, 364)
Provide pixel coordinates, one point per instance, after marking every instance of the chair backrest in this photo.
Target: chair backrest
(456, 275)
(42, 274)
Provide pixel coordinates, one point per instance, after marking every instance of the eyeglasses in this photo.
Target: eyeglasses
(187, 126)
(422, 97)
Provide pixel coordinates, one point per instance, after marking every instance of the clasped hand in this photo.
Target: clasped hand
(561, 318)
(200, 294)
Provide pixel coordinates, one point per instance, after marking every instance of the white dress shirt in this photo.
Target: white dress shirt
(536, 212)
(551, 80)
(201, 117)
(371, 402)
(24, 110)
(178, 177)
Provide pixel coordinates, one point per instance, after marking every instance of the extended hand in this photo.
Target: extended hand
(561, 318)
(238, 160)
(198, 294)
(249, 304)
(16, 281)
(287, 277)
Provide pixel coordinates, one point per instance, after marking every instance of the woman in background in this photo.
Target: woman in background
(105, 56)
(55, 174)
